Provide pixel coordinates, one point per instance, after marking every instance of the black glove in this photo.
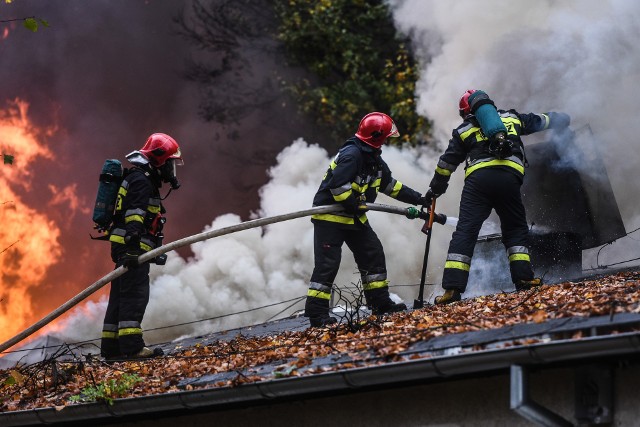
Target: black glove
(558, 120)
(354, 205)
(130, 258)
(438, 185)
(425, 201)
(436, 190)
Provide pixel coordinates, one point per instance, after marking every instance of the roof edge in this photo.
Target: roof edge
(389, 374)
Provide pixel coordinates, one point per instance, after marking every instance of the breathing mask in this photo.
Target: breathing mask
(168, 173)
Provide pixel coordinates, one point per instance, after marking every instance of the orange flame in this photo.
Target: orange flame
(28, 238)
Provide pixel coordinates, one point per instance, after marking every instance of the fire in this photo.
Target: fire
(29, 240)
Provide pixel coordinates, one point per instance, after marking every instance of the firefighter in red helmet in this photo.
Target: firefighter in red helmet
(494, 173)
(354, 177)
(137, 228)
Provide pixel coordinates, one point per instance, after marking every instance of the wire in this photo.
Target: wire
(17, 19)
(287, 307)
(296, 300)
(602, 267)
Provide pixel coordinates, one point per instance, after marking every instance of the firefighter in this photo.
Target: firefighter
(354, 177)
(136, 229)
(494, 172)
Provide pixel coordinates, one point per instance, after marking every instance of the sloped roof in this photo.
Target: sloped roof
(571, 321)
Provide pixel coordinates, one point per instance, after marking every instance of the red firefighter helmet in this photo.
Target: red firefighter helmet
(465, 109)
(159, 148)
(375, 128)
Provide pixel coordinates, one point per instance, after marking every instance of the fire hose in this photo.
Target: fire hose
(440, 218)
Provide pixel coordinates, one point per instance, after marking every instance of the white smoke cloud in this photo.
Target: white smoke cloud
(580, 57)
(257, 267)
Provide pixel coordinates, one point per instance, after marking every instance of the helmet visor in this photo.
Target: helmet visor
(177, 157)
(394, 131)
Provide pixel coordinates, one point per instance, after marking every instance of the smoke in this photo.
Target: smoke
(579, 57)
(100, 79)
(241, 272)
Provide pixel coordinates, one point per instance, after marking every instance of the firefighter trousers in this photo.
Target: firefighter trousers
(128, 299)
(369, 257)
(484, 190)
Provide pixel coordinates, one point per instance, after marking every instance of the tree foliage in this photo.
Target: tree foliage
(336, 59)
(361, 63)
(31, 23)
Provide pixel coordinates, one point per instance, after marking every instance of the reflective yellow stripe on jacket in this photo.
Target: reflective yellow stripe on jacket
(340, 218)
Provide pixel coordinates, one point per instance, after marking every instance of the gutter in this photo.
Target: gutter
(526, 407)
(379, 376)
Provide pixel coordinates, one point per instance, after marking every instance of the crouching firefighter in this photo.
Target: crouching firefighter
(494, 172)
(354, 178)
(137, 228)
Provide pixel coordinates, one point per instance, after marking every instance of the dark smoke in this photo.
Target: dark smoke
(108, 73)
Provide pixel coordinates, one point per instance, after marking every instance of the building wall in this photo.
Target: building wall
(451, 403)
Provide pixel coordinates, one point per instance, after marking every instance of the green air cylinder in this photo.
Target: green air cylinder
(486, 114)
(110, 179)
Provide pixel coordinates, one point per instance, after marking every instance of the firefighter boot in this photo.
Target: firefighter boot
(392, 307)
(381, 303)
(449, 296)
(146, 353)
(525, 285)
(317, 310)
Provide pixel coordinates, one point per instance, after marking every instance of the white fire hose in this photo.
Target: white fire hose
(184, 242)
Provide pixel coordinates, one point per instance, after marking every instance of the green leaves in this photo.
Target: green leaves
(33, 23)
(360, 61)
(107, 390)
(7, 159)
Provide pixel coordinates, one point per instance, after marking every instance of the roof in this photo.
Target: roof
(567, 322)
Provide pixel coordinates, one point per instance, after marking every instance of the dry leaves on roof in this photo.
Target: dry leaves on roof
(377, 340)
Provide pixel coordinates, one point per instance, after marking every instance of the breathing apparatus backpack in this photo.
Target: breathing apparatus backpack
(111, 177)
(491, 124)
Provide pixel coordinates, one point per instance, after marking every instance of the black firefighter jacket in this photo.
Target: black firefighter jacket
(470, 144)
(357, 174)
(138, 208)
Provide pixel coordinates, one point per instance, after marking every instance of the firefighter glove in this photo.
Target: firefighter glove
(433, 194)
(130, 259)
(350, 205)
(437, 188)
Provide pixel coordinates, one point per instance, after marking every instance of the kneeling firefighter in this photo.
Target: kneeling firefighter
(489, 141)
(354, 177)
(137, 228)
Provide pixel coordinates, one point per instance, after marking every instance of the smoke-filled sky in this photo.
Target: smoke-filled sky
(94, 85)
(105, 75)
(580, 57)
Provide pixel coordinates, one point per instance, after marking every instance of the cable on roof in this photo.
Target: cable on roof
(602, 267)
(79, 343)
